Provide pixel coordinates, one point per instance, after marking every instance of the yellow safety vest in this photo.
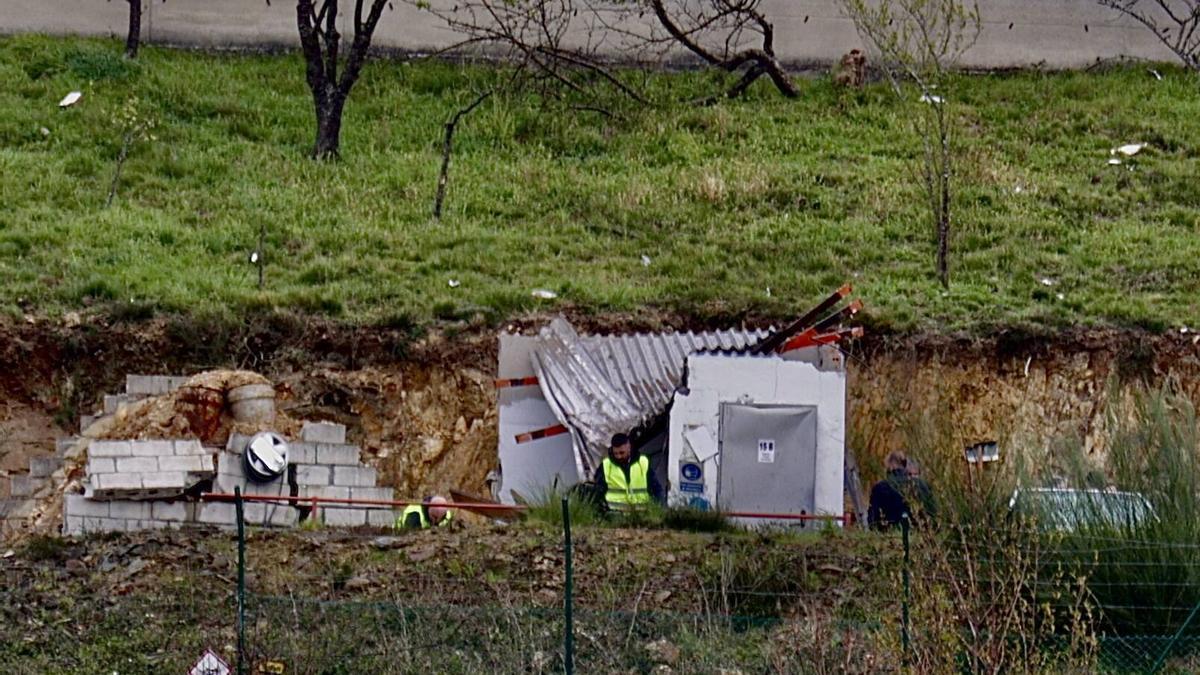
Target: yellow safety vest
(621, 493)
(425, 524)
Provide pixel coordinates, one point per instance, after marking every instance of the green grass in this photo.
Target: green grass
(727, 201)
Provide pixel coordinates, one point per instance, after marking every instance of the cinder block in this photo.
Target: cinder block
(24, 486)
(41, 467)
(113, 402)
(165, 479)
(72, 526)
(137, 464)
(97, 465)
(86, 421)
(337, 454)
(117, 481)
(171, 511)
(254, 513)
(354, 476)
(145, 385)
(283, 516)
(323, 432)
(129, 510)
(380, 494)
(110, 449)
(382, 517)
(216, 513)
(302, 453)
(323, 491)
(344, 517)
(79, 506)
(312, 474)
(152, 448)
(189, 447)
(193, 463)
(152, 524)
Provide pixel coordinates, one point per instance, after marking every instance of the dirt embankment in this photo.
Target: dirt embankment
(424, 410)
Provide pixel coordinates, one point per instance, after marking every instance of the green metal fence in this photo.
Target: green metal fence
(467, 623)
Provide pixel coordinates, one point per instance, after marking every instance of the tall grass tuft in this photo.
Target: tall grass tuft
(1144, 570)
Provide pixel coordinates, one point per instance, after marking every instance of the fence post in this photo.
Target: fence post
(904, 637)
(241, 581)
(1162, 658)
(568, 593)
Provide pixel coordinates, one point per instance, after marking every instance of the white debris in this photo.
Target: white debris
(254, 258)
(1157, 75)
(768, 291)
(1114, 162)
(1018, 189)
(1129, 149)
(70, 99)
(1028, 361)
(1060, 296)
(930, 98)
(645, 260)
(454, 283)
(1047, 281)
(1183, 330)
(44, 131)
(544, 294)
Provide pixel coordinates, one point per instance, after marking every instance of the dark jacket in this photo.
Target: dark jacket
(656, 491)
(895, 496)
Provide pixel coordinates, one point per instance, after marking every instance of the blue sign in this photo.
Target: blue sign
(698, 503)
(691, 471)
(691, 487)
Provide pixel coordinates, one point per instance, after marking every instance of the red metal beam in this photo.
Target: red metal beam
(541, 433)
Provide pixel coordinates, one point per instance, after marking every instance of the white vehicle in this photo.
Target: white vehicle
(1067, 509)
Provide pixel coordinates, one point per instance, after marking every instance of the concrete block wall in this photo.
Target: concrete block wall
(321, 465)
(155, 469)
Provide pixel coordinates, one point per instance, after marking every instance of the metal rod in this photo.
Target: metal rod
(777, 338)
(220, 496)
(1162, 658)
(904, 637)
(241, 581)
(568, 592)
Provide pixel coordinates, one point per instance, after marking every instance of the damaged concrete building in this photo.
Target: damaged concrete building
(744, 421)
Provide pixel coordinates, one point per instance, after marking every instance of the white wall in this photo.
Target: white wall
(713, 380)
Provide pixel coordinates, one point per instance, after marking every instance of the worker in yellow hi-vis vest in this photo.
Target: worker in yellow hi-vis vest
(624, 478)
(429, 513)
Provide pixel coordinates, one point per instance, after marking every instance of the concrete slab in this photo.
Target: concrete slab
(41, 467)
(109, 449)
(151, 448)
(337, 517)
(323, 432)
(354, 476)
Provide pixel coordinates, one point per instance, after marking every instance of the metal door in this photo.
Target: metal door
(768, 458)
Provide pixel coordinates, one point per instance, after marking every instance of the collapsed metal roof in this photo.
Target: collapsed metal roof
(599, 385)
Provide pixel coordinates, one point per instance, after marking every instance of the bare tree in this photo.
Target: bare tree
(329, 77)
(919, 42)
(1176, 23)
(574, 44)
(133, 35)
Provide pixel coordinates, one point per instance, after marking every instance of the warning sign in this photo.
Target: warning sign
(691, 477)
(210, 664)
(766, 451)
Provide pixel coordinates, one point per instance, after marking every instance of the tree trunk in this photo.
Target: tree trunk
(329, 127)
(133, 38)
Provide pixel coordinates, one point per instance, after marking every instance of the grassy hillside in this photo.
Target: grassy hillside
(726, 201)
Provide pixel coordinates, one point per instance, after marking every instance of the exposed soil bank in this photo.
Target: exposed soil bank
(424, 409)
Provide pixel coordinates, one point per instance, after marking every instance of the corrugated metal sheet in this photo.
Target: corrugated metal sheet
(603, 384)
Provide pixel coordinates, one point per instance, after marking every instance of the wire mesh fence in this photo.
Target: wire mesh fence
(377, 611)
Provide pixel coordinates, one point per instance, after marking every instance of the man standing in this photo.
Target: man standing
(430, 512)
(624, 478)
(890, 496)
